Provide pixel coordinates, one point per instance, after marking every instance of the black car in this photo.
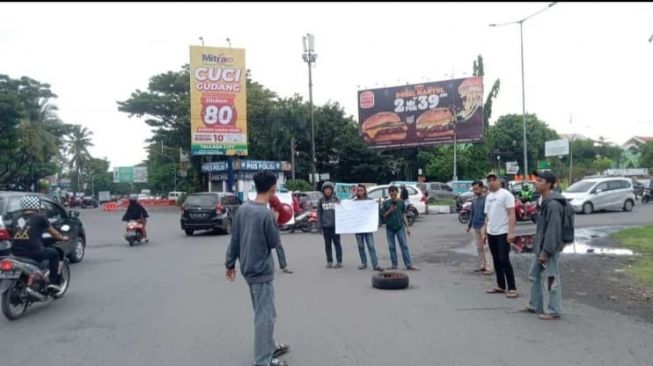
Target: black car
(74, 249)
(88, 201)
(209, 211)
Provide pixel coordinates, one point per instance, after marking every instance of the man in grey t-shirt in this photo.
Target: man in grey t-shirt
(254, 235)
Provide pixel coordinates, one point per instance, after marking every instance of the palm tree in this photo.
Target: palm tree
(78, 142)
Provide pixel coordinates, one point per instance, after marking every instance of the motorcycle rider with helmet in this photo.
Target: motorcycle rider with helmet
(136, 212)
(27, 238)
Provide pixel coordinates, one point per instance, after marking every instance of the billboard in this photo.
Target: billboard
(422, 114)
(218, 101)
(556, 148)
(130, 174)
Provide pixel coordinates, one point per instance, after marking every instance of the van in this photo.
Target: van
(175, 195)
(597, 194)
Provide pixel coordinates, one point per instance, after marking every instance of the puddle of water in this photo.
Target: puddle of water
(581, 248)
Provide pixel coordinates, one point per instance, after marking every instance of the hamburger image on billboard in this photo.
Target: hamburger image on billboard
(422, 114)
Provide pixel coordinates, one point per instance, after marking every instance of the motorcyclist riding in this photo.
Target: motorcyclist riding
(296, 204)
(526, 194)
(136, 212)
(27, 238)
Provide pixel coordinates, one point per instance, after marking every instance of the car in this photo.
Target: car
(460, 186)
(597, 194)
(174, 196)
(74, 249)
(89, 201)
(437, 190)
(209, 211)
(415, 196)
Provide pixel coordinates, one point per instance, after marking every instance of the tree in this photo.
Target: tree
(601, 164)
(78, 143)
(646, 157)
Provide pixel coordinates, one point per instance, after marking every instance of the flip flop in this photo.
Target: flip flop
(548, 317)
(282, 349)
(495, 290)
(512, 294)
(287, 270)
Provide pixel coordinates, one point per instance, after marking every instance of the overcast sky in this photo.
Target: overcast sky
(592, 61)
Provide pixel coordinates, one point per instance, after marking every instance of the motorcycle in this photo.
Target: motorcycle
(24, 281)
(134, 233)
(523, 243)
(646, 197)
(525, 211)
(465, 212)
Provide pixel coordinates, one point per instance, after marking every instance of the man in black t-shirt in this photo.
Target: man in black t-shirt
(27, 238)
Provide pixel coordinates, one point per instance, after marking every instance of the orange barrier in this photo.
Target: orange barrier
(110, 207)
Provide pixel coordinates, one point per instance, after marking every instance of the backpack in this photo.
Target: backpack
(568, 216)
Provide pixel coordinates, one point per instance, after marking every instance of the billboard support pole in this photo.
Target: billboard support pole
(455, 147)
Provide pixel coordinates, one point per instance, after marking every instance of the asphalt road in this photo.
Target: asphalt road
(167, 303)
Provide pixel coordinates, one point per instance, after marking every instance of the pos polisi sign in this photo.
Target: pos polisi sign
(218, 101)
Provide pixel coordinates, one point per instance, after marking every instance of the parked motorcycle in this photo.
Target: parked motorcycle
(24, 281)
(134, 233)
(306, 222)
(523, 243)
(525, 211)
(465, 212)
(646, 197)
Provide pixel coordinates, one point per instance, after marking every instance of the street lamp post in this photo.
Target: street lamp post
(309, 57)
(523, 89)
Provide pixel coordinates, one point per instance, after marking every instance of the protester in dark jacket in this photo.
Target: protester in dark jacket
(547, 246)
(326, 220)
(136, 212)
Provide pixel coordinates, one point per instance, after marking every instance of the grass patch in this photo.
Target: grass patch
(640, 240)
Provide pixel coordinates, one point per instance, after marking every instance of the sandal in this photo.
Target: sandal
(287, 270)
(495, 290)
(412, 268)
(512, 294)
(282, 349)
(527, 310)
(277, 362)
(549, 317)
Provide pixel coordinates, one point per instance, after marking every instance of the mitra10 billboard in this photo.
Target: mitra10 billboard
(422, 114)
(218, 101)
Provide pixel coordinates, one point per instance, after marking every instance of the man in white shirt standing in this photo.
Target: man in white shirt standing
(499, 229)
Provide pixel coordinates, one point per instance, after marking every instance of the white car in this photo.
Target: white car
(415, 196)
(596, 194)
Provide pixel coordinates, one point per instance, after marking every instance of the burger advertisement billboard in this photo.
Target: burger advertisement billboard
(422, 114)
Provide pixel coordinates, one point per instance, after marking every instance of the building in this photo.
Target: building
(239, 174)
(632, 145)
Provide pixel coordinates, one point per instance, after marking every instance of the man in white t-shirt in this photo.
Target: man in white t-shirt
(499, 229)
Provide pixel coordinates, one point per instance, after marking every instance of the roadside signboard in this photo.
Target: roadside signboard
(556, 148)
(130, 174)
(422, 114)
(218, 101)
(512, 167)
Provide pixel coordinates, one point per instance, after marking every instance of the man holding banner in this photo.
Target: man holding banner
(394, 215)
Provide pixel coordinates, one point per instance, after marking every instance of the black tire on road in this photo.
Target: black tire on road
(628, 205)
(227, 228)
(188, 232)
(588, 208)
(645, 198)
(65, 281)
(463, 217)
(7, 309)
(80, 250)
(313, 228)
(390, 281)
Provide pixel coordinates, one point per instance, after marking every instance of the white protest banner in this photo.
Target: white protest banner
(357, 216)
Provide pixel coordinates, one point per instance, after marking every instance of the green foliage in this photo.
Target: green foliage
(600, 164)
(646, 157)
(298, 185)
(640, 240)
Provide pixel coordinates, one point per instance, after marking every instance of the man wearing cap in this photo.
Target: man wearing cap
(499, 229)
(547, 247)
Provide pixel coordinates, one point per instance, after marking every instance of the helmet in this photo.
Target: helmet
(133, 198)
(30, 202)
(327, 184)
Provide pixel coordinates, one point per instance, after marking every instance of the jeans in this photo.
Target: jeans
(500, 249)
(331, 236)
(369, 238)
(403, 244)
(265, 314)
(281, 254)
(52, 256)
(553, 286)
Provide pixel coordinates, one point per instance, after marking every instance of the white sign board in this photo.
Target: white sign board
(357, 217)
(512, 167)
(104, 196)
(556, 148)
(140, 174)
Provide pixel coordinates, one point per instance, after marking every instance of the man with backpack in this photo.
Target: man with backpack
(555, 228)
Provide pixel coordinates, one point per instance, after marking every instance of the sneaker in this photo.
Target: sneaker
(329, 265)
(338, 265)
(392, 268)
(281, 349)
(277, 362)
(412, 268)
(362, 267)
(378, 269)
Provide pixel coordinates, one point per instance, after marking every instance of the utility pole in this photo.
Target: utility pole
(292, 155)
(309, 57)
(571, 155)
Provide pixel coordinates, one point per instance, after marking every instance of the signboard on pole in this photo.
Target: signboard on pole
(556, 148)
(130, 174)
(218, 101)
(422, 114)
(140, 174)
(512, 167)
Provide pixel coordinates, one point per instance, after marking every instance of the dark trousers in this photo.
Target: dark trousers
(500, 250)
(52, 256)
(329, 237)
